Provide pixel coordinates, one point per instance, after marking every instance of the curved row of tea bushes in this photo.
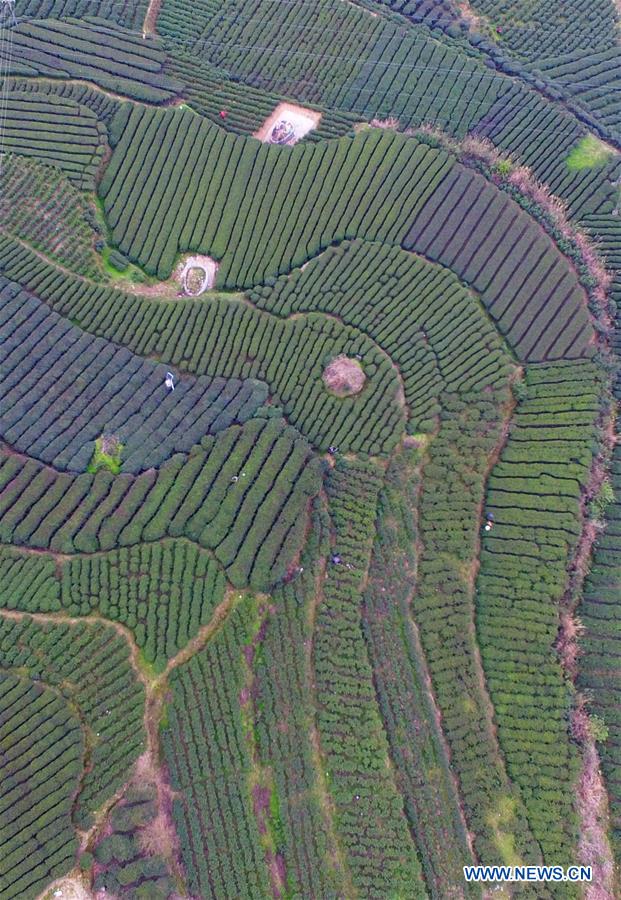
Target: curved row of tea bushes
(129, 13)
(449, 519)
(163, 592)
(453, 215)
(208, 756)
(434, 13)
(417, 747)
(243, 495)
(592, 78)
(226, 338)
(377, 845)
(93, 50)
(28, 582)
(55, 131)
(89, 665)
(534, 30)
(212, 91)
(529, 288)
(39, 205)
(259, 209)
(98, 101)
(62, 388)
(337, 55)
(599, 672)
(534, 494)
(420, 314)
(40, 767)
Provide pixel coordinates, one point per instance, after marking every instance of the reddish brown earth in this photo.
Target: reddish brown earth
(344, 377)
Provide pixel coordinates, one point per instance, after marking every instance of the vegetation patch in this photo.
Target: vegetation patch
(589, 153)
(107, 454)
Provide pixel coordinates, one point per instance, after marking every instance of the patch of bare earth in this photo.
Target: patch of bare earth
(593, 845)
(475, 21)
(196, 274)
(344, 376)
(71, 887)
(150, 19)
(192, 276)
(302, 119)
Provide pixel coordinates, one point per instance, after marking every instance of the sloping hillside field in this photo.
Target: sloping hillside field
(310, 485)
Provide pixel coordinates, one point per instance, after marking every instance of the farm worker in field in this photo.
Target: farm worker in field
(169, 381)
(223, 114)
(490, 522)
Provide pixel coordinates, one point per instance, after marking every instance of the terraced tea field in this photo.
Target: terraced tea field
(310, 560)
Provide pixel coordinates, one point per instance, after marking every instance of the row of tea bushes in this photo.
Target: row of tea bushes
(89, 665)
(593, 79)
(40, 206)
(536, 30)
(225, 338)
(420, 314)
(417, 748)
(93, 50)
(244, 495)
(129, 13)
(62, 389)
(208, 756)
(283, 716)
(40, 768)
(529, 288)
(56, 131)
(331, 190)
(449, 521)
(212, 91)
(599, 674)
(28, 582)
(102, 104)
(377, 845)
(163, 592)
(534, 494)
(338, 56)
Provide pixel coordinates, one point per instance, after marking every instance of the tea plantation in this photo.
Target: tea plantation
(310, 483)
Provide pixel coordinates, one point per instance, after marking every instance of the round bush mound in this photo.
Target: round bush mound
(344, 376)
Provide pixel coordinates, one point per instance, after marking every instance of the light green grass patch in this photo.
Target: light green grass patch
(589, 153)
(106, 459)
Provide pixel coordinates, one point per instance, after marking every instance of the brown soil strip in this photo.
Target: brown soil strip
(150, 19)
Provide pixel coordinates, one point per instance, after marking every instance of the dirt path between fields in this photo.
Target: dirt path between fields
(150, 19)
